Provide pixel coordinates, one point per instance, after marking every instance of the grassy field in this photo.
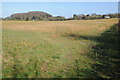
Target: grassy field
(57, 49)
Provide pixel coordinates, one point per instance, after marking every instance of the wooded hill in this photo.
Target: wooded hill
(35, 15)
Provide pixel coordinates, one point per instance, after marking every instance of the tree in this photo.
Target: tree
(87, 15)
(33, 18)
(59, 18)
(74, 15)
(94, 14)
(27, 19)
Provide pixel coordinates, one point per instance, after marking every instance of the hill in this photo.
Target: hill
(34, 15)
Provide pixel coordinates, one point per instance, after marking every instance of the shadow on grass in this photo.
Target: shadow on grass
(106, 53)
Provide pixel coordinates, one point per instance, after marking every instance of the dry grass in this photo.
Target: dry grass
(56, 26)
(47, 49)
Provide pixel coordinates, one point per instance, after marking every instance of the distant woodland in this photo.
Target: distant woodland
(43, 16)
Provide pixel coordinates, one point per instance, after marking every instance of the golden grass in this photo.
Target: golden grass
(59, 26)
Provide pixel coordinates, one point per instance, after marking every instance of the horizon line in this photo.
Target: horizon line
(57, 15)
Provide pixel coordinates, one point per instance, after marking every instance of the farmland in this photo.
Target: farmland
(59, 49)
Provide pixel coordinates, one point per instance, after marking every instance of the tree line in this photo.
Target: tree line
(93, 16)
(42, 16)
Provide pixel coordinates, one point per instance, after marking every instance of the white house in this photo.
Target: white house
(107, 17)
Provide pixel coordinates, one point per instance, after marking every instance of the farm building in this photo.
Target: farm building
(106, 16)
